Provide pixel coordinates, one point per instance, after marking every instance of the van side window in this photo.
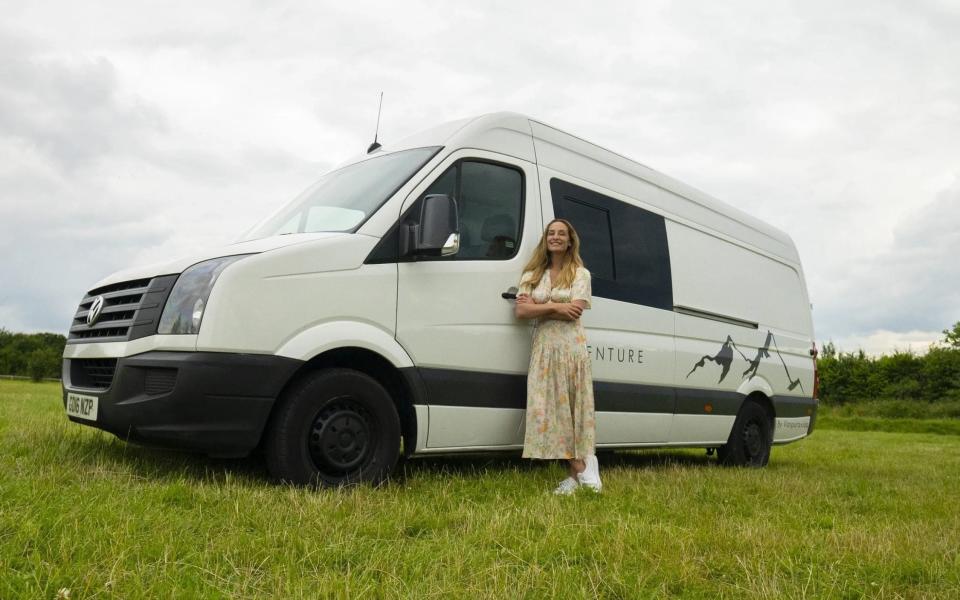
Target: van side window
(623, 246)
(490, 204)
(596, 235)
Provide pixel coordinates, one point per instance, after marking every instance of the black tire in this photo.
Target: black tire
(334, 427)
(750, 438)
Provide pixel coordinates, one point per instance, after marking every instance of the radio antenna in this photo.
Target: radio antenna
(375, 145)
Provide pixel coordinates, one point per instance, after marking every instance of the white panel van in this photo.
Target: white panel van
(373, 316)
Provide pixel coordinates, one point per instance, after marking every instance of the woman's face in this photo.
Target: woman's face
(558, 237)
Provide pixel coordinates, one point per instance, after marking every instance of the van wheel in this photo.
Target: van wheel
(749, 442)
(334, 427)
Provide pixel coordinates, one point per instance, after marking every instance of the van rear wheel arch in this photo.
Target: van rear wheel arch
(764, 401)
(751, 437)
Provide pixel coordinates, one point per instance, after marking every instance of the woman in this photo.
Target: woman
(555, 290)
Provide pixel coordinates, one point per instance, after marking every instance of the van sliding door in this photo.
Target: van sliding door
(630, 328)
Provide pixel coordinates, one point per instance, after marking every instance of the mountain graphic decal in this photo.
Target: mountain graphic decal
(724, 358)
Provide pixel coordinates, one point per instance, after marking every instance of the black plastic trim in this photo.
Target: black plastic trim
(139, 309)
(212, 402)
(93, 373)
(452, 387)
(694, 401)
(703, 314)
(151, 307)
(632, 397)
(414, 382)
(790, 406)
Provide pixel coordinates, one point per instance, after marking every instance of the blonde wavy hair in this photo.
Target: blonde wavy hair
(540, 261)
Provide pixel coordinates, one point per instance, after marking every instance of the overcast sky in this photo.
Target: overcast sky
(134, 132)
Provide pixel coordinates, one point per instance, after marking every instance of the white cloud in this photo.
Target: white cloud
(885, 342)
(174, 125)
(70, 110)
(911, 284)
(92, 179)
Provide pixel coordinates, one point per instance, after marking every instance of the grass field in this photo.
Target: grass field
(893, 416)
(841, 514)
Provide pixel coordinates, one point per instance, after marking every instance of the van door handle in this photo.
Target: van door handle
(510, 294)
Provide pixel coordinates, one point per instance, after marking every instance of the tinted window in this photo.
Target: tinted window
(490, 208)
(490, 201)
(623, 246)
(596, 237)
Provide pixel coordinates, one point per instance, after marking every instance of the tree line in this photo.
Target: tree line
(34, 355)
(844, 376)
(855, 377)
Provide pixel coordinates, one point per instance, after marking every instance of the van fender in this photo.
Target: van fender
(759, 384)
(320, 338)
(756, 383)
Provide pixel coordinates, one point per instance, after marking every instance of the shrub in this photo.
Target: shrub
(35, 355)
(854, 377)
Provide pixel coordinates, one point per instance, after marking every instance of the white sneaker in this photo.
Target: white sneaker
(566, 487)
(590, 477)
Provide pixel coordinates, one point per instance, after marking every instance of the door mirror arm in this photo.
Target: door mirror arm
(408, 239)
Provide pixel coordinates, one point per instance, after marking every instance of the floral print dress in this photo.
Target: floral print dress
(560, 414)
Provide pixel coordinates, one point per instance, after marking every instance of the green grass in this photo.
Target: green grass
(842, 514)
(898, 416)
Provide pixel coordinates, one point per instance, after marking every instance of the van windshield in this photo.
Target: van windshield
(343, 199)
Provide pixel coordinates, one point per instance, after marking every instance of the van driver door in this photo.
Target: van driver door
(470, 351)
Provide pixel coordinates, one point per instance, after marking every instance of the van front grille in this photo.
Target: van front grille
(92, 373)
(130, 310)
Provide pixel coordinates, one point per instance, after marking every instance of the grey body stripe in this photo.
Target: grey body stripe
(452, 387)
(632, 397)
(691, 401)
(790, 406)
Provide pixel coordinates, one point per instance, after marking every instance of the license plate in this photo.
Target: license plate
(83, 407)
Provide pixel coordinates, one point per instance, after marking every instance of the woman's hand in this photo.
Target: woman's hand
(567, 311)
(526, 308)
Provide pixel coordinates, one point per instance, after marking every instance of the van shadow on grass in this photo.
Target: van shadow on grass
(106, 451)
(491, 463)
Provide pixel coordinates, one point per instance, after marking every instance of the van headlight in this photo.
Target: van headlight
(188, 299)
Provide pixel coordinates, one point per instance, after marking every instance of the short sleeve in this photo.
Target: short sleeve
(581, 287)
(524, 286)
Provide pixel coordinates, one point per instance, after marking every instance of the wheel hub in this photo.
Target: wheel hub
(752, 439)
(340, 437)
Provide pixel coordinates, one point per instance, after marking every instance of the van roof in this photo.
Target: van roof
(517, 135)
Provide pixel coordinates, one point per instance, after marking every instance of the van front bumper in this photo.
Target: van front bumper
(216, 403)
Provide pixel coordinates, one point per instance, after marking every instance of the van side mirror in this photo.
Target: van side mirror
(437, 233)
